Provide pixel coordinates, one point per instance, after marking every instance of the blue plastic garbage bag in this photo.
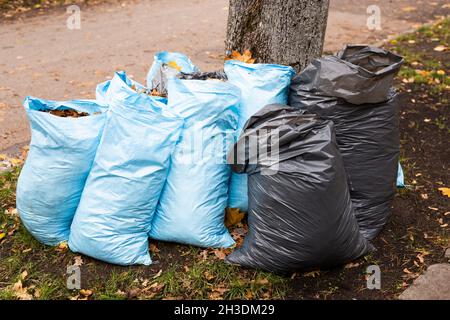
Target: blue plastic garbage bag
(62, 150)
(129, 171)
(400, 177)
(260, 84)
(192, 205)
(166, 65)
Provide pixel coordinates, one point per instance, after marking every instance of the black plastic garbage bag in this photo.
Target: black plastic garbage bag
(354, 90)
(300, 213)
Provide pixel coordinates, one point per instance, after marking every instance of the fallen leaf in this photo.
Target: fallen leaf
(263, 281)
(421, 259)
(233, 216)
(62, 247)
(203, 255)
(78, 261)
(21, 292)
(249, 295)
(174, 65)
(351, 265)
(208, 276)
(217, 293)
(154, 248)
(86, 292)
(2, 235)
(220, 254)
(445, 191)
(440, 48)
(312, 274)
(246, 57)
(158, 274)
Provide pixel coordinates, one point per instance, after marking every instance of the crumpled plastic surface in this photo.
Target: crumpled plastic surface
(102, 97)
(400, 177)
(166, 65)
(192, 205)
(354, 90)
(61, 154)
(300, 213)
(129, 171)
(260, 84)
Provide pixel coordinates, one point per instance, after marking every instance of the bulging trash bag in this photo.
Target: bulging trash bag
(354, 90)
(62, 150)
(300, 213)
(129, 171)
(166, 65)
(192, 205)
(260, 84)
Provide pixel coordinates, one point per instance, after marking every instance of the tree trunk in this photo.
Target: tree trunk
(289, 32)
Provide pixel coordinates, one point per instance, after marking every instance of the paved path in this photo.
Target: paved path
(39, 56)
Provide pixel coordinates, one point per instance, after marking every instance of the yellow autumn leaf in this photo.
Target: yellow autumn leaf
(445, 191)
(174, 65)
(233, 216)
(2, 235)
(440, 72)
(245, 57)
(86, 292)
(62, 247)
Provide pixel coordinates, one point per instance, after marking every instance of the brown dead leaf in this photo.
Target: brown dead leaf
(217, 293)
(154, 248)
(156, 93)
(20, 291)
(351, 265)
(208, 276)
(78, 261)
(233, 216)
(203, 255)
(220, 254)
(262, 281)
(249, 295)
(312, 274)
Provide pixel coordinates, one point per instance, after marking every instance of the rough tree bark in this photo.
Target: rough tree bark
(289, 32)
